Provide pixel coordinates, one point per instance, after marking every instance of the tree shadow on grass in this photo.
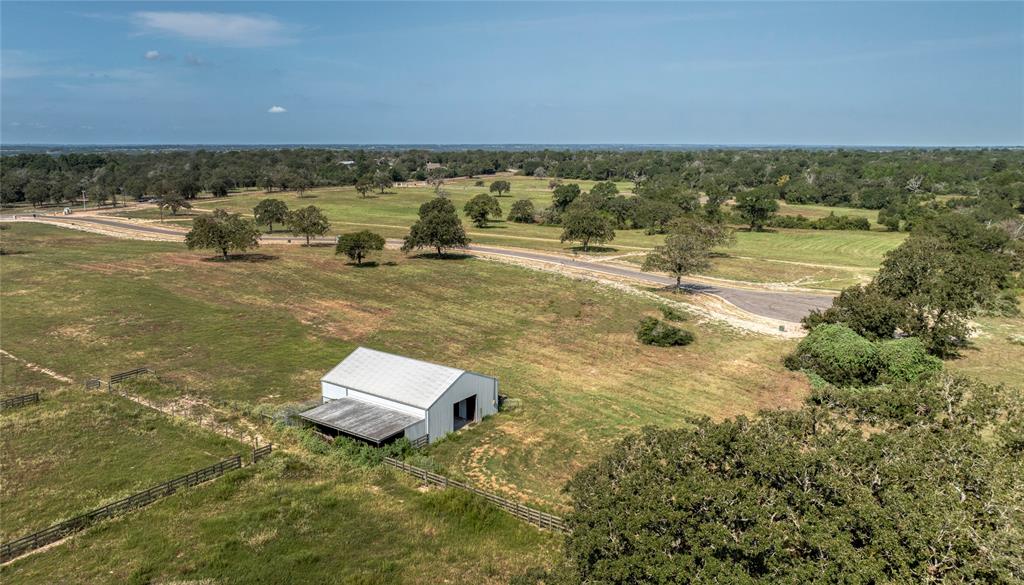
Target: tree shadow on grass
(242, 258)
(493, 225)
(319, 245)
(365, 264)
(593, 249)
(765, 230)
(445, 256)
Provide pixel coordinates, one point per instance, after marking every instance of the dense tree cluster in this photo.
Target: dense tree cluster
(989, 183)
(920, 482)
(949, 269)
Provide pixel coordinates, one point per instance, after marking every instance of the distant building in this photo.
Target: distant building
(379, 397)
(431, 166)
(348, 162)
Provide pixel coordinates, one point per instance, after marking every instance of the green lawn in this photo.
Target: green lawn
(819, 211)
(392, 213)
(77, 450)
(263, 332)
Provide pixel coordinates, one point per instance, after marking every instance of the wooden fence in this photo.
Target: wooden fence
(93, 383)
(14, 549)
(261, 452)
(16, 401)
(122, 376)
(420, 442)
(531, 515)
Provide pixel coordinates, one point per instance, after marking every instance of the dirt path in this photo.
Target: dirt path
(38, 368)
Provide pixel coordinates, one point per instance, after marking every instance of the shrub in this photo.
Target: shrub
(905, 360)
(652, 331)
(790, 221)
(837, 354)
(522, 212)
(672, 313)
(842, 222)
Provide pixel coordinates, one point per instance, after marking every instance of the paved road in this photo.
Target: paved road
(785, 306)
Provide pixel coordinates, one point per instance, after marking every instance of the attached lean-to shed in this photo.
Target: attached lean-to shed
(379, 397)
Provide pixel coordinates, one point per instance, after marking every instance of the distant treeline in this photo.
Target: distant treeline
(889, 181)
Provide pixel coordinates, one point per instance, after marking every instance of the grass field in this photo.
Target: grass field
(263, 332)
(77, 450)
(819, 211)
(852, 255)
(289, 516)
(996, 354)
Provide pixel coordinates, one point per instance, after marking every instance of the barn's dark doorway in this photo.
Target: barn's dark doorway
(464, 411)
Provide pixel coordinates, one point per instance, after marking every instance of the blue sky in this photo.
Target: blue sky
(877, 73)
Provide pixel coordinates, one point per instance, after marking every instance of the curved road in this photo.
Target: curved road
(781, 305)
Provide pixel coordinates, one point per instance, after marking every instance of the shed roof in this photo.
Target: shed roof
(399, 378)
(362, 419)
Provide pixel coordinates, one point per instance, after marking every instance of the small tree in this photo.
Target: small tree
(222, 231)
(585, 224)
(687, 247)
(363, 186)
(501, 187)
(301, 183)
(482, 208)
(220, 185)
(436, 181)
(438, 227)
(522, 211)
(173, 202)
(308, 222)
(757, 206)
(382, 180)
(564, 195)
(604, 189)
(357, 245)
(270, 211)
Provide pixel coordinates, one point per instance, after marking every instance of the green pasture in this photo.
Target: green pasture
(76, 450)
(391, 214)
(263, 331)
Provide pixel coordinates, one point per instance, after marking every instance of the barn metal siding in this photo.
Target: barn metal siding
(440, 418)
(417, 430)
(332, 391)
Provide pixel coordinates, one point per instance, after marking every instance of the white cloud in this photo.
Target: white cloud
(153, 55)
(276, 110)
(235, 30)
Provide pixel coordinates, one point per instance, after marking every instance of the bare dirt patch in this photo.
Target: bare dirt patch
(341, 319)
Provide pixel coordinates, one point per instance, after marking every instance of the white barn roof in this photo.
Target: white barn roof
(398, 378)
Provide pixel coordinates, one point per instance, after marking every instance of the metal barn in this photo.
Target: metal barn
(379, 397)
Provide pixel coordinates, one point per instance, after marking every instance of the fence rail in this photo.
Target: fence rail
(16, 401)
(16, 548)
(421, 442)
(121, 376)
(93, 383)
(531, 515)
(261, 452)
